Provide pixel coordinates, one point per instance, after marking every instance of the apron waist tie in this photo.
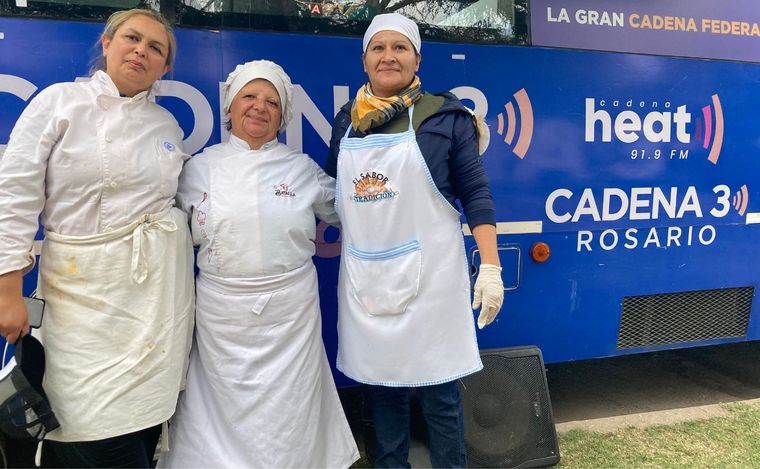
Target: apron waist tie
(165, 436)
(38, 455)
(134, 231)
(139, 267)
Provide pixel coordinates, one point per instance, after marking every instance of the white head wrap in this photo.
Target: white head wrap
(267, 70)
(393, 22)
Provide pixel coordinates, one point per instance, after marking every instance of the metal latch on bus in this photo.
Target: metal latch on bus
(510, 257)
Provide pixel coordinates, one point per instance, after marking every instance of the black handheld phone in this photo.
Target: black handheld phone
(35, 308)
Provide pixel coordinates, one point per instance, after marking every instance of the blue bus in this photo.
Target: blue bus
(625, 182)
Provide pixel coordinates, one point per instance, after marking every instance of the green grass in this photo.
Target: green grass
(732, 441)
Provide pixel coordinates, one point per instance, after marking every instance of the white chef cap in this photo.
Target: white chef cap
(267, 70)
(393, 22)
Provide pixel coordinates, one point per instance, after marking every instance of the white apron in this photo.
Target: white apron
(259, 389)
(118, 325)
(404, 295)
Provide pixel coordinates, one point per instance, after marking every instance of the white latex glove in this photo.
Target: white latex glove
(489, 290)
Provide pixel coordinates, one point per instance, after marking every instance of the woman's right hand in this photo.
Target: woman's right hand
(14, 320)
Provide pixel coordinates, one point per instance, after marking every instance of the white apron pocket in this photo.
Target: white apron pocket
(384, 282)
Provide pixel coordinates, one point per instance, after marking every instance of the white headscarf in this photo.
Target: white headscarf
(267, 70)
(393, 22)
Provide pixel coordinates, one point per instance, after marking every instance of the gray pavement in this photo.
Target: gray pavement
(653, 388)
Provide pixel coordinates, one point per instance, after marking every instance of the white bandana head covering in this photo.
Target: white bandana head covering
(393, 22)
(270, 72)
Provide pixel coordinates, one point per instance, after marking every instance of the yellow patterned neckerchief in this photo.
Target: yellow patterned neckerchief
(370, 111)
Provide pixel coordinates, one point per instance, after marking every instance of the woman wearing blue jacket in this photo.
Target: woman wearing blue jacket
(402, 158)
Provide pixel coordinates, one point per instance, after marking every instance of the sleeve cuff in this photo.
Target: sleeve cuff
(481, 217)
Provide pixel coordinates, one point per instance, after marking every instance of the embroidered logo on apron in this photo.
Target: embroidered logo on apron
(371, 187)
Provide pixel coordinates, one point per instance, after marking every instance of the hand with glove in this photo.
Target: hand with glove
(489, 291)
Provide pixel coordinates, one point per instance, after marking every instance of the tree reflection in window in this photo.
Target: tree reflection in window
(479, 21)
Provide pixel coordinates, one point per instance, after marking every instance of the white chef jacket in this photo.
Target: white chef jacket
(277, 234)
(77, 155)
(95, 164)
(258, 378)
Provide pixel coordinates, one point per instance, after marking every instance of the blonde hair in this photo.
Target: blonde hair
(116, 20)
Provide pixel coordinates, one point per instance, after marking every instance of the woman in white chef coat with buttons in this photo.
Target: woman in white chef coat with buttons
(259, 388)
(99, 161)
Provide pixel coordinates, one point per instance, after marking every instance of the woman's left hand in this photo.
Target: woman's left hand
(489, 292)
(14, 320)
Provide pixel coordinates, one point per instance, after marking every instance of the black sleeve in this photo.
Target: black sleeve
(468, 176)
(340, 124)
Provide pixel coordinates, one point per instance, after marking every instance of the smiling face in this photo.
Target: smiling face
(390, 62)
(255, 113)
(137, 55)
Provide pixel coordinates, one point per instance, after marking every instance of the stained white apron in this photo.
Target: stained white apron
(118, 325)
(404, 295)
(259, 390)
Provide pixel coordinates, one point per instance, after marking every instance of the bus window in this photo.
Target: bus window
(479, 21)
(116, 4)
(92, 10)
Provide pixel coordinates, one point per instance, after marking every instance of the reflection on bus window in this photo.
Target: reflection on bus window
(92, 10)
(471, 21)
(115, 4)
(480, 21)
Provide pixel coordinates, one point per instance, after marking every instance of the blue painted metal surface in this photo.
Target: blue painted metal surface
(639, 172)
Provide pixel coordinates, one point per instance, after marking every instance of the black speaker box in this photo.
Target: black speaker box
(507, 413)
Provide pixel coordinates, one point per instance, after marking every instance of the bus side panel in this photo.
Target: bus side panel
(642, 172)
(638, 172)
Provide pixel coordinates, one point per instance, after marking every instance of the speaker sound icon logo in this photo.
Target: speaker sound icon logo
(712, 123)
(525, 115)
(741, 199)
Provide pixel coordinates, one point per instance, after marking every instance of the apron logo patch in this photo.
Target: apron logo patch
(371, 187)
(283, 190)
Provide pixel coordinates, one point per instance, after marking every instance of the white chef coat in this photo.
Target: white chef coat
(102, 170)
(272, 236)
(89, 161)
(259, 388)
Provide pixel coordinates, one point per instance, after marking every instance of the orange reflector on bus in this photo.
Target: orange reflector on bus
(540, 252)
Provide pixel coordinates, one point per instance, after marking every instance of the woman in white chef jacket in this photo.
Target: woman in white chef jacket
(259, 388)
(100, 161)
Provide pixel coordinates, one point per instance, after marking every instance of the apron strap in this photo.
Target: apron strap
(410, 111)
(348, 129)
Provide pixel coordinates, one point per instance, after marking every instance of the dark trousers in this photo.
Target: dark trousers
(441, 407)
(130, 450)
